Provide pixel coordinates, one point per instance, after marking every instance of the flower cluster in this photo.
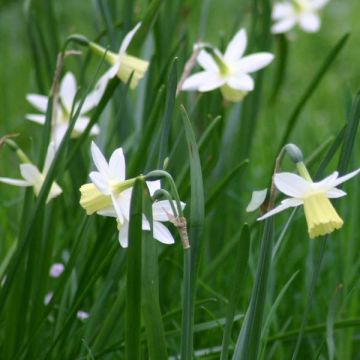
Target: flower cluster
(109, 194)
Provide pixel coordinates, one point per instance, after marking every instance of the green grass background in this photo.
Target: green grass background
(323, 116)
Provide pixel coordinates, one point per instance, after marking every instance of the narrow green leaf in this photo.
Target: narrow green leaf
(350, 135)
(155, 334)
(330, 321)
(191, 255)
(248, 343)
(133, 279)
(151, 14)
(311, 89)
(223, 183)
(281, 64)
(169, 108)
(239, 276)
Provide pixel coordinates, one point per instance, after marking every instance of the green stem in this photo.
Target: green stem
(314, 278)
(188, 310)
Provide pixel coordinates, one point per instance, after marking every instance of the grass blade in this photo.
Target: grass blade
(133, 279)
(154, 327)
(247, 346)
(191, 255)
(311, 89)
(239, 277)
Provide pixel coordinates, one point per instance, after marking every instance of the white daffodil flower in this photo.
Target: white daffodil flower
(109, 194)
(304, 13)
(33, 177)
(123, 65)
(60, 122)
(109, 180)
(229, 72)
(161, 211)
(320, 215)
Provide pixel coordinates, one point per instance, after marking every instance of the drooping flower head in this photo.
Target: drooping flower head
(33, 177)
(229, 71)
(62, 111)
(304, 13)
(122, 64)
(320, 214)
(110, 192)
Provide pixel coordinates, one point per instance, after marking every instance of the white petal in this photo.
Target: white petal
(327, 183)
(291, 184)
(40, 119)
(39, 102)
(100, 181)
(241, 81)
(31, 174)
(257, 199)
(124, 234)
(213, 82)
(93, 98)
(82, 123)
(283, 26)
(309, 22)
(335, 193)
(50, 154)
(254, 62)
(285, 204)
(101, 85)
(59, 133)
(124, 201)
(194, 82)
(162, 233)
(108, 211)
(117, 208)
(153, 186)
(206, 61)
(68, 90)
(112, 72)
(16, 182)
(95, 130)
(145, 224)
(236, 47)
(318, 4)
(346, 177)
(55, 191)
(162, 209)
(99, 160)
(117, 165)
(282, 10)
(128, 37)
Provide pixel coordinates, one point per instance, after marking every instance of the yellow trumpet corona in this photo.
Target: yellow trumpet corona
(92, 200)
(321, 216)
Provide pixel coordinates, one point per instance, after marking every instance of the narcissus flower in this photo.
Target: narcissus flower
(229, 71)
(304, 13)
(123, 65)
(320, 214)
(62, 112)
(109, 194)
(33, 177)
